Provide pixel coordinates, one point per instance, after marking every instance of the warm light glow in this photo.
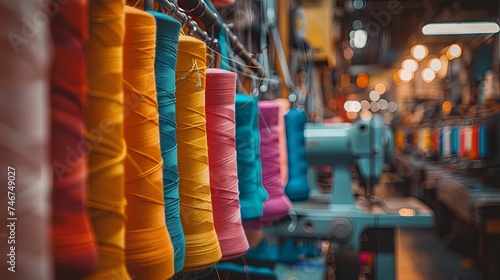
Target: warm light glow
(352, 106)
(366, 115)
(395, 78)
(348, 53)
(455, 28)
(382, 103)
(380, 88)
(362, 80)
(374, 96)
(444, 67)
(347, 106)
(365, 105)
(419, 52)
(428, 75)
(447, 106)
(360, 38)
(405, 75)
(352, 115)
(435, 64)
(410, 64)
(454, 51)
(345, 80)
(355, 106)
(406, 212)
(374, 106)
(392, 107)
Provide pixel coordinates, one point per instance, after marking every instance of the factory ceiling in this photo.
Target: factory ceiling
(393, 26)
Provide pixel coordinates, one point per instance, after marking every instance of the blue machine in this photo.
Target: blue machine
(343, 218)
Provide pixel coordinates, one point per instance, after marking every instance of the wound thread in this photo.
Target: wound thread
(220, 111)
(149, 252)
(246, 156)
(202, 246)
(73, 244)
(297, 188)
(167, 41)
(106, 181)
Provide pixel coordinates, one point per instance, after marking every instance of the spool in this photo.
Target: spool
(400, 139)
(440, 141)
(463, 142)
(220, 104)
(24, 141)
(277, 205)
(246, 156)
(284, 105)
(424, 139)
(484, 145)
(202, 246)
(73, 245)
(446, 141)
(455, 140)
(435, 140)
(474, 152)
(106, 181)
(261, 191)
(167, 42)
(297, 188)
(149, 252)
(467, 140)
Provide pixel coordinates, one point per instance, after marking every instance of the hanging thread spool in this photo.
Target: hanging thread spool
(424, 139)
(455, 140)
(435, 140)
(446, 141)
(202, 246)
(484, 144)
(400, 139)
(474, 152)
(25, 52)
(106, 185)
(463, 136)
(467, 141)
(284, 105)
(277, 205)
(149, 252)
(74, 250)
(220, 104)
(246, 156)
(167, 41)
(261, 191)
(297, 188)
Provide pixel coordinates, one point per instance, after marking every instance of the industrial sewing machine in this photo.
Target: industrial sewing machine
(343, 218)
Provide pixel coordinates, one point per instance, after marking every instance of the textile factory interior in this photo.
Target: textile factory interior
(250, 139)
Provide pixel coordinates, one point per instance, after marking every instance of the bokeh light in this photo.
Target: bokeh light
(419, 52)
(380, 88)
(410, 64)
(447, 106)
(366, 115)
(428, 75)
(405, 75)
(374, 96)
(362, 80)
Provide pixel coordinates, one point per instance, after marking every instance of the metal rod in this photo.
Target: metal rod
(187, 21)
(211, 21)
(148, 5)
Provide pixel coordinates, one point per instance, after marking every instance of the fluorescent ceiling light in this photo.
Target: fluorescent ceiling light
(457, 28)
